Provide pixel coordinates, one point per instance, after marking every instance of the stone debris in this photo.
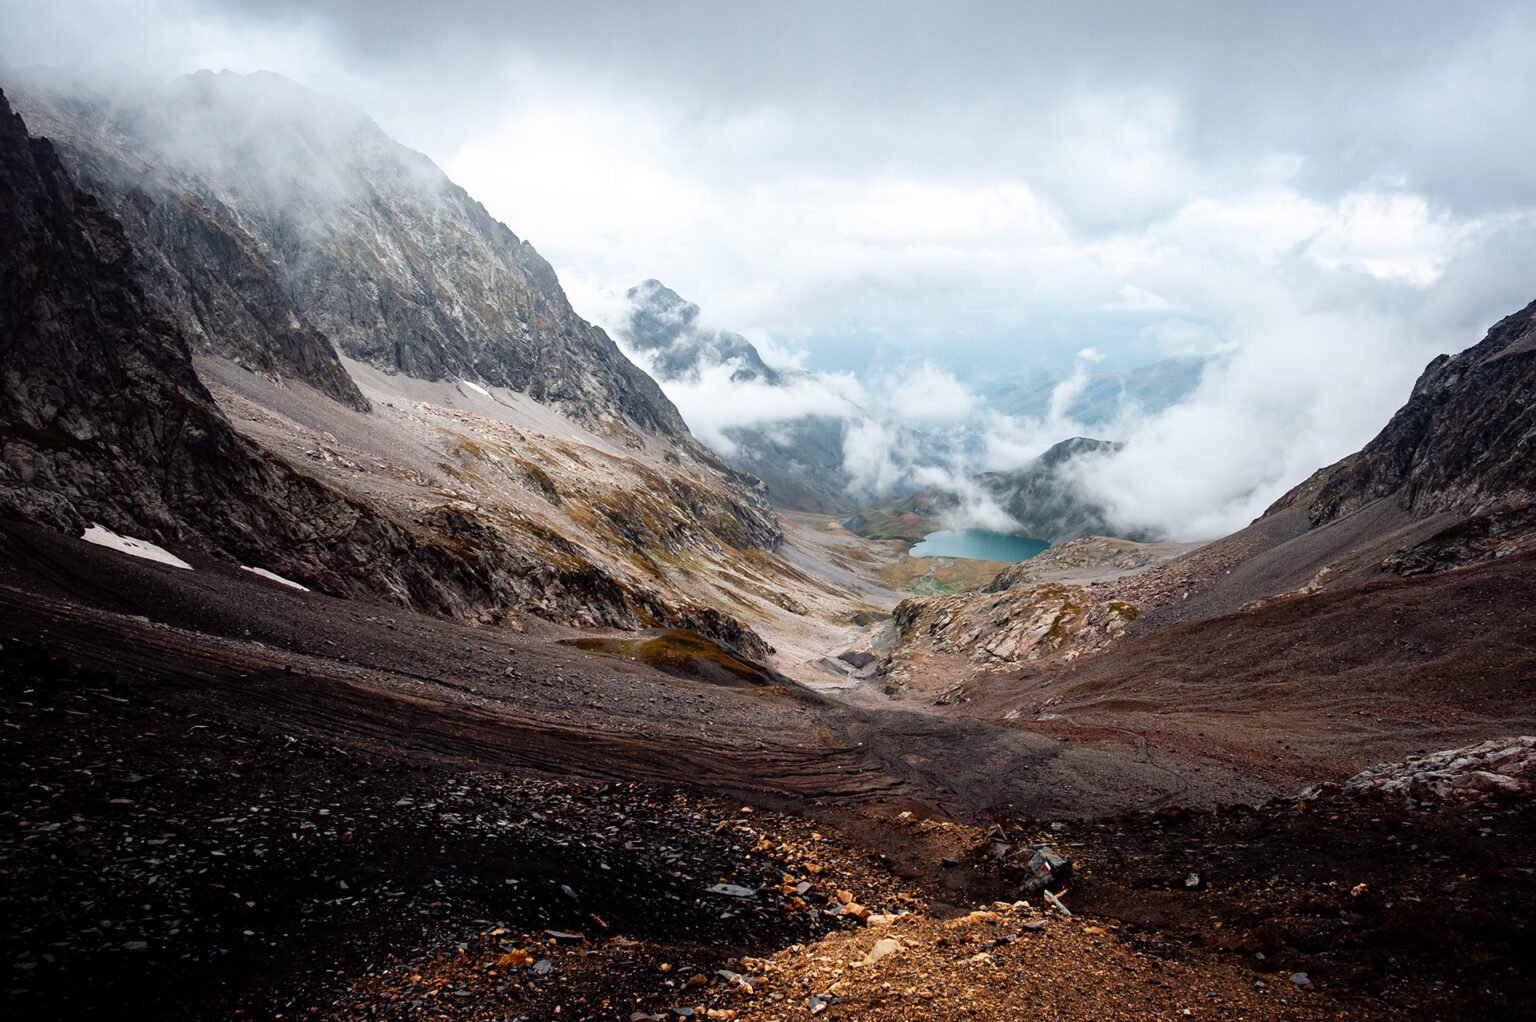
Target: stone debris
(1501, 766)
(1001, 630)
(162, 848)
(1045, 870)
(883, 948)
(733, 890)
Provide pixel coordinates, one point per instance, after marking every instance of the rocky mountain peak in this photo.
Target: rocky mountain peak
(1074, 447)
(663, 328)
(369, 247)
(1464, 442)
(1047, 501)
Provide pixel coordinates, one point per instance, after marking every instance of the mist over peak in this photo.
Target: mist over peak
(665, 328)
(840, 440)
(366, 247)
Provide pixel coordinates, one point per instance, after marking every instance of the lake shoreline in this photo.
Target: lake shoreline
(978, 545)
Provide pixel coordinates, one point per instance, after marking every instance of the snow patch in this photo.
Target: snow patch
(275, 577)
(103, 536)
(476, 388)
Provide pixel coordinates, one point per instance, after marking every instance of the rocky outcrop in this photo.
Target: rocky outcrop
(225, 179)
(103, 418)
(1465, 441)
(1498, 767)
(1479, 538)
(1014, 626)
(1086, 552)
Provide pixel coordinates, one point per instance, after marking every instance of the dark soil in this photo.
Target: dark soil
(291, 806)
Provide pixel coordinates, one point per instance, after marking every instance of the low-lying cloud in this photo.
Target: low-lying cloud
(1284, 391)
(1316, 217)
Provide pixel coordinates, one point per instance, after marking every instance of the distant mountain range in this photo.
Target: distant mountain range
(803, 462)
(1042, 498)
(1104, 394)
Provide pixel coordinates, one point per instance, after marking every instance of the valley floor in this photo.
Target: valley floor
(224, 798)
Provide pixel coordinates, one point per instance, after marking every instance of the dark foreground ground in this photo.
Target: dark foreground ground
(304, 824)
(163, 863)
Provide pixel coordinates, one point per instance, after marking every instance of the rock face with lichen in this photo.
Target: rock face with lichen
(274, 223)
(103, 417)
(1014, 626)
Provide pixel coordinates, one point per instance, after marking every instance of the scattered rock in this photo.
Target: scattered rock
(733, 890)
(883, 948)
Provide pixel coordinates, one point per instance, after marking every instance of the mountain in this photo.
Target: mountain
(272, 219)
(1042, 499)
(1447, 482)
(1465, 443)
(1100, 396)
(1045, 500)
(799, 459)
(1397, 580)
(105, 418)
(584, 502)
(665, 328)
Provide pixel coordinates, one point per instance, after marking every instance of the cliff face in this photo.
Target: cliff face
(273, 220)
(99, 395)
(1464, 442)
(102, 417)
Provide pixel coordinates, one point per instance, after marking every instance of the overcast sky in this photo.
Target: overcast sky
(1330, 193)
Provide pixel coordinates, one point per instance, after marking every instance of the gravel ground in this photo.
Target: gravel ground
(168, 863)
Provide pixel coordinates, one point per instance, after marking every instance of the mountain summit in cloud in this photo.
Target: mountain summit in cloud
(269, 216)
(665, 327)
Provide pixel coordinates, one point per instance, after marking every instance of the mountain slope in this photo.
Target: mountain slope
(1447, 484)
(105, 418)
(377, 250)
(1464, 442)
(1449, 481)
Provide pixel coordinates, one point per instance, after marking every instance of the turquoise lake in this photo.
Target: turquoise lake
(978, 545)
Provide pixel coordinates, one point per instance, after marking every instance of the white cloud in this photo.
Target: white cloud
(927, 395)
(714, 402)
(1131, 298)
(1325, 212)
(1391, 236)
